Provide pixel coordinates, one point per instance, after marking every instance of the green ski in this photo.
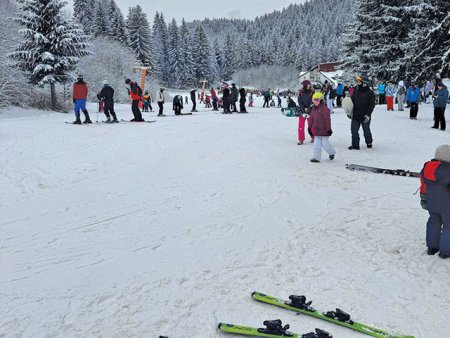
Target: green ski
(339, 317)
(273, 329)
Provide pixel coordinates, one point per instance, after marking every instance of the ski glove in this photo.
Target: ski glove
(330, 132)
(423, 201)
(310, 132)
(366, 119)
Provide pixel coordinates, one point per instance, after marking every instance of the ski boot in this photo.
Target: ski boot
(318, 334)
(275, 327)
(313, 160)
(300, 143)
(299, 302)
(331, 157)
(108, 120)
(339, 315)
(432, 251)
(87, 119)
(77, 121)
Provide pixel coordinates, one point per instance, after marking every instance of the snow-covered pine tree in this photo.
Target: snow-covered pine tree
(83, 11)
(101, 19)
(139, 34)
(218, 56)
(428, 49)
(229, 61)
(175, 55)
(52, 44)
(202, 55)
(187, 63)
(116, 30)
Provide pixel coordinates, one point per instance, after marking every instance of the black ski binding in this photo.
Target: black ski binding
(275, 327)
(339, 315)
(299, 302)
(318, 334)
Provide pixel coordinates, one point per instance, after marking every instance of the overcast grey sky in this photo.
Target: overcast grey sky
(200, 9)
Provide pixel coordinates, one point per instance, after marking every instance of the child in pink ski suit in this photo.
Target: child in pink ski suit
(305, 103)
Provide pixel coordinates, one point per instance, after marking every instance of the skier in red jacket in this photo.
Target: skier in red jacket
(80, 93)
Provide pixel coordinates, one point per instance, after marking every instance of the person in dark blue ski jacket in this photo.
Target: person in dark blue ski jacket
(413, 96)
(440, 102)
(435, 197)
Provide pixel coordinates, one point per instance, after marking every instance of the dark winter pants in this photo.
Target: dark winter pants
(339, 100)
(177, 109)
(136, 112)
(194, 105)
(266, 102)
(382, 99)
(242, 107)
(215, 105)
(109, 110)
(438, 232)
(413, 110)
(355, 133)
(161, 108)
(226, 106)
(439, 117)
(233, 106)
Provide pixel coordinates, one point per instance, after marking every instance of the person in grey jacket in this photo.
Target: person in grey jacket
(440, 102)
(234, 98)
(435, 197)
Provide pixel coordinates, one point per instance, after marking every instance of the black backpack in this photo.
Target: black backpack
(332, 95)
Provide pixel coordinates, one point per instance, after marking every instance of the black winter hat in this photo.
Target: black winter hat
(127, 81)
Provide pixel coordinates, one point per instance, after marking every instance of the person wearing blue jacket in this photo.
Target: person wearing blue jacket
(339, 94)
(382, 93)
(440, 102)
(413, 96)
(435, 197)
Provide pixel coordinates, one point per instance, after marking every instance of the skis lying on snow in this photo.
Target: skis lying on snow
(395, 172)
(291, 111)
(273, 329)
(339, 317)
(137, 122)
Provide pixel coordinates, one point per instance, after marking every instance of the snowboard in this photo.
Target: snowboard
(347, 105)
(395, 172)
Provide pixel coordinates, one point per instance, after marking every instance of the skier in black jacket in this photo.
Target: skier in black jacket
(226, 100)
(107, 96)
(178, 104)
(193, 99)
(242, 100)
(363, 105)
(234, 97)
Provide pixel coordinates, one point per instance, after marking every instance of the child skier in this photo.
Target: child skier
(147, 101)
(320, 128)
(390, 93)
(435, 197)
(305, 103)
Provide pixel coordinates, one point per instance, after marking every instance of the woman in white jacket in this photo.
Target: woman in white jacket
(160, 99)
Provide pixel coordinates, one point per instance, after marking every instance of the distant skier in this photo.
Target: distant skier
(382, 93)
(147, 101)
(80, 93)
(320, 128)
(440, 103)
(234, 98)
(226, 100)
(390, 94)
(401, 92)
(178, 104)
(242, 100)
(363, 105)
(186, 100)
(214, 99)
(435, 197)
(135, 93)
(428, 92)
(266, 98)
(194, 101)
(250, 100)
(279, 101)
(339, 94)
(413, 97)
(107, 96)
(161, 99)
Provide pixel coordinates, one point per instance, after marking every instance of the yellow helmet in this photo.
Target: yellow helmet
(317, 95)
(358, 78)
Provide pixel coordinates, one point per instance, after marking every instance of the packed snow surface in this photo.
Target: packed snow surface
(141, 230)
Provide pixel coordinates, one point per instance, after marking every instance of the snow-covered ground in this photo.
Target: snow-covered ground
(141, 230)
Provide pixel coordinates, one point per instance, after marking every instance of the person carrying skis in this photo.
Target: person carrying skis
(320, 128)
(234, 98)
(413, 97)
(135, 93)
(363, 105)
(435, 198)
(305, 103)
(194, 101)
(390, 93)
(242, 100)
(161, 99)
(178, 104)
(147, 101)
(107, 96)
(440, 103)
(80, 93)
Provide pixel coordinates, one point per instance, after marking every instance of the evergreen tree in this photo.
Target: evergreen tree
(229, 61)
(218, 56)
(160, 47)
(187, 63)
(202, 56)
(101, 22)
(83, 10)
(139, 35)
(117, 30)
(175, 55)
(52, 44)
